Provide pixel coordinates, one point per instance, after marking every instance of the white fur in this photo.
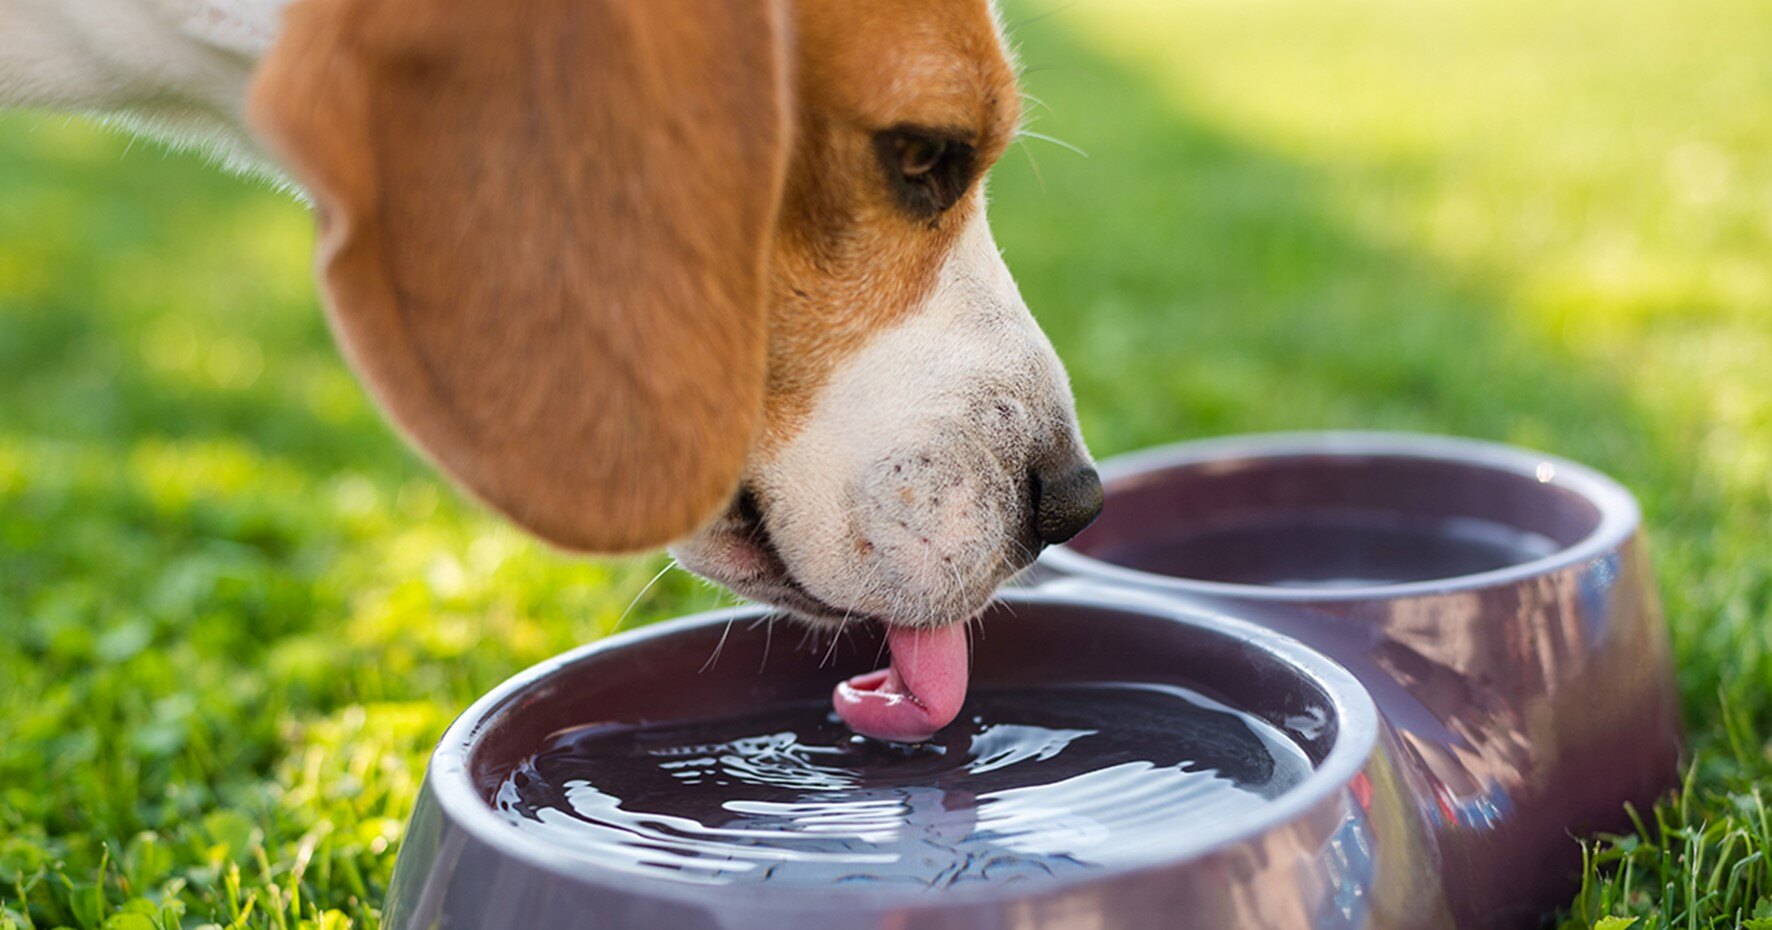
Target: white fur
(176, 69)
(905, 496)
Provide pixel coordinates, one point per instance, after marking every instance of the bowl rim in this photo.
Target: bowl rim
(1620, 516)
(1358, 726)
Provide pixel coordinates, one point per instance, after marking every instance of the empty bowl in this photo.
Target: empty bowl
(1496, 603)
(691, 775)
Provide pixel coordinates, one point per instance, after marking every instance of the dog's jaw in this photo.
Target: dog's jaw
(737, 551)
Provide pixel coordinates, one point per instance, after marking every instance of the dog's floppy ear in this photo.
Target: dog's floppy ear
(543, 235)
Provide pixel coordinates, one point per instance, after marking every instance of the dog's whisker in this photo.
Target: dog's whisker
(1008, 608)
(724, 632)
(1030, 134)
(669, 564)
(1033, 163)
(835, 638)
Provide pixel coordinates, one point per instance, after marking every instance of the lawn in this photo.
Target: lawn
(235, 612)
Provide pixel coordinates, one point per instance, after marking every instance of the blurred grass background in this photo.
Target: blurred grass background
(235, 612)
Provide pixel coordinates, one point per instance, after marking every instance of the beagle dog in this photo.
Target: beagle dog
(711, 274)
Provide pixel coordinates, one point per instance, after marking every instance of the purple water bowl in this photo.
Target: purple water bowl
(1342, 848)
(1497, 604)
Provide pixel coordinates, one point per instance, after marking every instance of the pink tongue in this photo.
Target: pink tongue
(919, 693)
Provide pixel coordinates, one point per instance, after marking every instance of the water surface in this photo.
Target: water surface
(1028, 783)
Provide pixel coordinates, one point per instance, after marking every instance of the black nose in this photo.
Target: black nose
(1065, 503)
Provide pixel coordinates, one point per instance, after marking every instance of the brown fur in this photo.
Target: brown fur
(570, 245)
(848, 260)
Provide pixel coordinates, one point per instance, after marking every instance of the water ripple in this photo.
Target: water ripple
(1032, 782)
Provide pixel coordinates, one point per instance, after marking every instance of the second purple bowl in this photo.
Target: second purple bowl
(1496, 602)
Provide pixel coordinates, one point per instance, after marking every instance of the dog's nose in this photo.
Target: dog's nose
(1065, 502)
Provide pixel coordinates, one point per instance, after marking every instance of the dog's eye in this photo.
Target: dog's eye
(927, 171)
(918, 156)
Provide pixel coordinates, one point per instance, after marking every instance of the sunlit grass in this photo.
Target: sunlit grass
(235, 613)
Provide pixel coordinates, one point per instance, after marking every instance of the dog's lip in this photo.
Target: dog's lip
(790, 591)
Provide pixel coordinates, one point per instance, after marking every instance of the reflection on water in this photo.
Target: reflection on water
(1030, 782)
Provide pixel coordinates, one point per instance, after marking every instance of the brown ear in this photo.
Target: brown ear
(543, 234)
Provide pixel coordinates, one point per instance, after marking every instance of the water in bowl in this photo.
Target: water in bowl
(1029, 783)
(1334, 550)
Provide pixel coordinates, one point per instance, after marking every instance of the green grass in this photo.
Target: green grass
(235, 613)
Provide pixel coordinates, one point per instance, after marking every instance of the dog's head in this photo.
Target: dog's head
(705, 272)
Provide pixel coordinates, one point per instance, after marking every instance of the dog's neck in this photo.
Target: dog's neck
(176, 69)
